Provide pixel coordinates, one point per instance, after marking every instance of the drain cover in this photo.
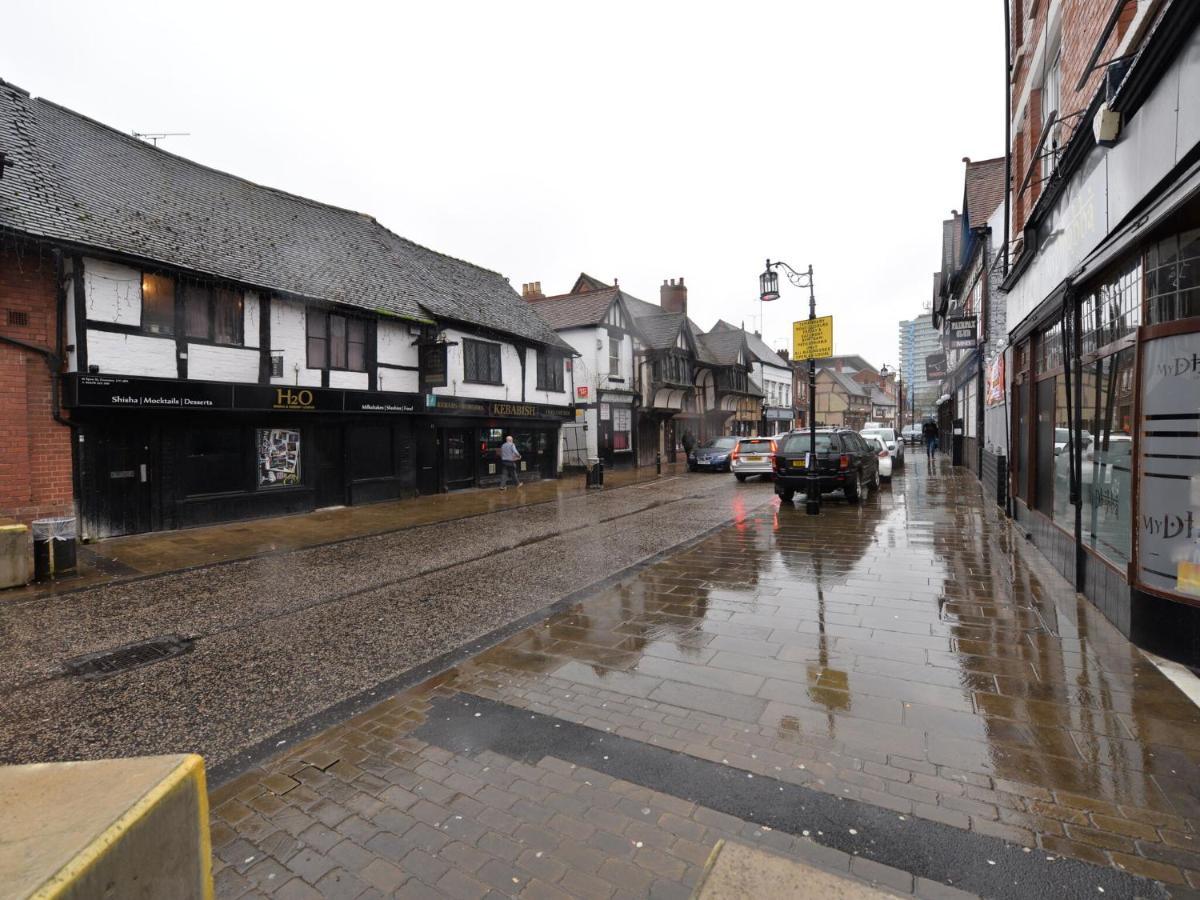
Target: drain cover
(131, 656)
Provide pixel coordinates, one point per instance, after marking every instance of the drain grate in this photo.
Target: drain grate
(92, 666)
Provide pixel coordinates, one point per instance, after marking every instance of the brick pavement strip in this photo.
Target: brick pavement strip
(941, 696)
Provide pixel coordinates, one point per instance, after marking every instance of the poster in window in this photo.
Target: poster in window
(1168, 525)
(995, 381)
(605, 412)
(278, 457)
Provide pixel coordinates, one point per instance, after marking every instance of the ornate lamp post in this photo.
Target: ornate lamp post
(768, 284)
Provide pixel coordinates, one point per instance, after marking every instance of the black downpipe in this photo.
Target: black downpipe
(1076, 402)
(1008, 456)
(1069, 360)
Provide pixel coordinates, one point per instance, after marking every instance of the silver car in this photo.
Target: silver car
(753, 456)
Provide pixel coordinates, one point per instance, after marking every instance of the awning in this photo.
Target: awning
(1182, 189)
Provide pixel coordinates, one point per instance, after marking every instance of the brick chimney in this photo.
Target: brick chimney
(532, 291)
(672, 296)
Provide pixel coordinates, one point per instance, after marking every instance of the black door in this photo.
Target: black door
(458, 446)
(331, 481)
(426, 436)
(117, 481)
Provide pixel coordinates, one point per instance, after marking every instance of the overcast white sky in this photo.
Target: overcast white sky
(641, 141)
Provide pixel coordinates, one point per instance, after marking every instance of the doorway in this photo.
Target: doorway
(331, 482)
(117, 478)
(426, 436)
(458, 445)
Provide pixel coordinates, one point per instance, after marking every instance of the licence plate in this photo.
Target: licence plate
(753, 459)
(797, 464)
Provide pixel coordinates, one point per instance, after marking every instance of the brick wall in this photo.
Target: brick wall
(1082, 22)
(35, 451)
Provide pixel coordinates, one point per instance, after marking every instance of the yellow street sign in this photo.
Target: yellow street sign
(812, 338)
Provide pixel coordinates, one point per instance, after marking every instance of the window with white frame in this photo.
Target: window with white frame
(1051, 98)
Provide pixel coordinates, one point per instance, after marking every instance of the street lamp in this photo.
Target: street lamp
(768, 284)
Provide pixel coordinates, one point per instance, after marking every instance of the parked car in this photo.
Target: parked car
(713, 455)
(754, 456)
(911, 434)
(844, 462)
(894, 445)
(882, 453)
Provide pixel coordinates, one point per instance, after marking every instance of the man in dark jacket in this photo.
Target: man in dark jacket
(929, 431)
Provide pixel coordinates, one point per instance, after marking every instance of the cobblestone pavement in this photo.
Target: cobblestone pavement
(906, 660)
(276, 638)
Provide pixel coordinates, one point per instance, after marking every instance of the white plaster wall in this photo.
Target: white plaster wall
(251, 309)
(132, 354)
(533, 394)
(209, 363)
(395, 345)
(510, 372)
(72, 354)
(113, 292)
(288, 338)
(403, 380)
(350, 381)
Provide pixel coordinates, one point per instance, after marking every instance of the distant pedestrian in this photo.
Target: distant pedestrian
(689, 441)
(929, 431)
(509, 457)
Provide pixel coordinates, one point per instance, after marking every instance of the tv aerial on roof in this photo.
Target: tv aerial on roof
(155, 136)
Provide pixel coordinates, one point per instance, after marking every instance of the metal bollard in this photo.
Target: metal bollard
(658, 463)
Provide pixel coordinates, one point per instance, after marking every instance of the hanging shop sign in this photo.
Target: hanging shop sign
(812, 338)
(961, 333)
(995, 382)
(935, 366)
(120, 392)
(1168, 525)
(431, 359)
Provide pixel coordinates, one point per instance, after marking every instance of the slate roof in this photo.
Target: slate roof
(76, 180)
(879, 398)
(759, 348)
(849, 384)
(984, 190)
(576, 310)
(723, 346)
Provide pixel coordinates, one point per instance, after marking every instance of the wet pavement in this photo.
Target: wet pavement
(935, 706)
(137, 556)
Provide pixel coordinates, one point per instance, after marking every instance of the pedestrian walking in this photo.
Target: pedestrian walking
(929, 431)
(509, 457)
(689, 441)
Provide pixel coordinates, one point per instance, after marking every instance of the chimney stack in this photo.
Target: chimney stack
(532, 291)
(672, 296)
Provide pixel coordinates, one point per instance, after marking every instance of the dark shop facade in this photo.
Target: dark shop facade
(158, 454)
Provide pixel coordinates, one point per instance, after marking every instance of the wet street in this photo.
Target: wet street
(902, 691)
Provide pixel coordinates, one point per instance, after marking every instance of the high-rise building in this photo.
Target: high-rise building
(918, 339)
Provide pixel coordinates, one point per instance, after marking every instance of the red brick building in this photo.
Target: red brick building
(35, 440)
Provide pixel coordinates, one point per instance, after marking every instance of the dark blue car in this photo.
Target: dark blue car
(714, 456)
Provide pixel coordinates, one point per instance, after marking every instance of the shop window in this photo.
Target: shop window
(1044, 446)
(622, 424)
(158, 304)
(1020, 402)
(278, 452)
(213, 314)
(1049, 349)
(1106, 424)
(215, 460)
(336, 342)
(371, 452)
(481, 362)
(1113, 311)
(1173, 278)
(1062, 510)
(1168, 504)
(549, 371)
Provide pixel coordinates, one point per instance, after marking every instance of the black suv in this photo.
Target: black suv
(845, 462)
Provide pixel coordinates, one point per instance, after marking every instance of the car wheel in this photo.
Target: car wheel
(854, 491)
(787, 496)
(875, 486)
(739, 476)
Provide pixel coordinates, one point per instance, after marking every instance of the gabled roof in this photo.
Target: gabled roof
(984, 190)
(585, 283)
(75, 180)
(851, 363)
(848, 384)
(661, 329)
(725, 347)
(879, 398)
(758, 348)
(577, 310)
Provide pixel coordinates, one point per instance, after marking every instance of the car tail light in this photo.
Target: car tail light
(844, 462)
(774, 447)
(883, 454)
(734, 454)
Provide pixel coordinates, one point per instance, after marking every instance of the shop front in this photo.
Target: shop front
(158, 454)
(616, 429)
(1106, 437)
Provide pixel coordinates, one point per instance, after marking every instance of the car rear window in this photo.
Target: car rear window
(800, 443)
(758, 446)
(721, 443)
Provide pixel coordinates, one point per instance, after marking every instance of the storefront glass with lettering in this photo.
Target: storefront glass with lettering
(278, 457)
(1169, 500)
